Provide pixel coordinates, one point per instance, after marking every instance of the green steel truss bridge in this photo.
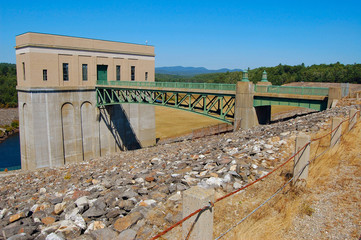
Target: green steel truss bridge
(209, 99)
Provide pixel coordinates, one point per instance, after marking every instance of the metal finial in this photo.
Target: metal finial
(264, 76)
(245, 76)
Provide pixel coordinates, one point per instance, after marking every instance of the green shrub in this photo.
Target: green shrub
(15, 124)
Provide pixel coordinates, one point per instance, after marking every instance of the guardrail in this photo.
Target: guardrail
(319, 91)
(221, 87)
(203, 86)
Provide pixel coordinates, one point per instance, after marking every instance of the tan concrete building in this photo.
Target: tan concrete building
(59, 120)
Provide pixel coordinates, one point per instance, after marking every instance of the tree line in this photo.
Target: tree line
(8, 94)
(279, 75)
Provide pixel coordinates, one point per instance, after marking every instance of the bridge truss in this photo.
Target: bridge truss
(215, 105)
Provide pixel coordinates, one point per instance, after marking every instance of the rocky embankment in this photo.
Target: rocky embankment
(7, 116)
(135, 194)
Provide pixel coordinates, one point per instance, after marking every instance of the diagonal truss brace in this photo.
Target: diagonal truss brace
(219, 106)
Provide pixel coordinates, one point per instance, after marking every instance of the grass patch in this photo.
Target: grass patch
(172, 122)
(274, 219)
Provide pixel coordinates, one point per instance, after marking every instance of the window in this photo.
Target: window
(65, 71)
(146, 76)
(118, 72)
(132, 73)
(24, 71)
(84, 68)
(45, 74)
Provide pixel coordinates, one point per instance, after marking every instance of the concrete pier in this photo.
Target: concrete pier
(244, 113)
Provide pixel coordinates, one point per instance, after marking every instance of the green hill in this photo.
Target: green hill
(281, 74)
(8, 95)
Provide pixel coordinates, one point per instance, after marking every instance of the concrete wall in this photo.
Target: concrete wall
(38, 52)
(62, 126)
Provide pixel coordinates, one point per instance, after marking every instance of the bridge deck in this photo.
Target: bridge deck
(213, 100)
(219, 92)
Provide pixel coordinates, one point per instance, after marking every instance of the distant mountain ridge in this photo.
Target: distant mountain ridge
(190, 71)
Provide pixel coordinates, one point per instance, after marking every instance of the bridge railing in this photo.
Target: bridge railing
(221, 86)
(292, 90)
(203, 86)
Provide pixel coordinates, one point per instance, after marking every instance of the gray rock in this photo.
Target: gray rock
(114, 213)
(21, 236)
(181, 187)
(39, 214)
(104, 234)
(129, 194)
(82, 203)
(172, 188)
(56, 200)
(53, 236)
(128, 234)
(68, 229)
(11, 230)
(94, 212)
(237, 185)
(79, 221)
(127, 205)
(143, 191)
(85, 237)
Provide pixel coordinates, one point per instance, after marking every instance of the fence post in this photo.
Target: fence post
(302, 158)
(194, 199)
(353, 118)
(336, 134)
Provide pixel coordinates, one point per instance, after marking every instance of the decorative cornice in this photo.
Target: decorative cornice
(59, 47)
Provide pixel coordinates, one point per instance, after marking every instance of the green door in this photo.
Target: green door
(102, 72)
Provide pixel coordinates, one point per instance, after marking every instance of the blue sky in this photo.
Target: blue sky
(212, 34)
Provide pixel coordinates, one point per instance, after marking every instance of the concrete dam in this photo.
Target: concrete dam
(82, 98)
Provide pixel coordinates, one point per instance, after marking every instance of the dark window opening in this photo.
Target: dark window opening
(118, 72)
(65, 71)
(85, 72)
(45, 74)
(132, 73)
(146, 76)
(24, 71)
